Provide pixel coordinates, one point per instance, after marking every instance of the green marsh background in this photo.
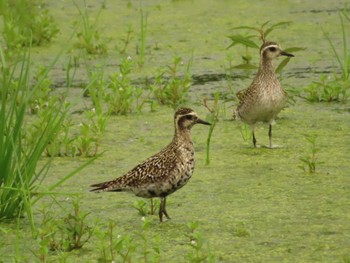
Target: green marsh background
(289, 204)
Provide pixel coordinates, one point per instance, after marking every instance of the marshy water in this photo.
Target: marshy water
(252, 205)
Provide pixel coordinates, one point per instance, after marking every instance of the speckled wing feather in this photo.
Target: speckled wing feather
(154, 169)
(241, 94)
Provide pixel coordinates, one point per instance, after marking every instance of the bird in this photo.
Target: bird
(165, 172)
(264, 98)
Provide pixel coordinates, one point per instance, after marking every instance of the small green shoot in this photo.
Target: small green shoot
(310, 162)
(213, 119)
(115, 247)
(143, 35)
(144, 210)
(199, 252)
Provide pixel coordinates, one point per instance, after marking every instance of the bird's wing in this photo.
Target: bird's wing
(241, 94)
(151, 170)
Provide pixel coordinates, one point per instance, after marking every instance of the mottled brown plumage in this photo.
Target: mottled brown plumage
(165, 172)
(264, 98)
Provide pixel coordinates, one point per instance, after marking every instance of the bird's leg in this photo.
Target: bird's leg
(270, 135)
(162, 210)
(252, 128)
(254, 140)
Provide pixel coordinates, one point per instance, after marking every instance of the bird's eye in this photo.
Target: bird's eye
(272, 49)
(189, 117)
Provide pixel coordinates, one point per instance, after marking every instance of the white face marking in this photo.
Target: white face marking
(269, 46)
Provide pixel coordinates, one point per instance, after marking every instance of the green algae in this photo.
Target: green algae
(252, 205)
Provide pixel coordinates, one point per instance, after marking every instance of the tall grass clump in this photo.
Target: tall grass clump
(22, 142)
(18, 160)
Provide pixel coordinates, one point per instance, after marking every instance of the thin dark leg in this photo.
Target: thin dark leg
(162, 210)
(270, 135)
(254, 140)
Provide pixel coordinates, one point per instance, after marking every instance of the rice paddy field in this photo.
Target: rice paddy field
(286, 204)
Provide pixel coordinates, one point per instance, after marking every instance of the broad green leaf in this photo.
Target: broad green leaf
(245, 66)
(282, 64)
(280, 24)
(239, 39)
(246, 27)
(294, 49)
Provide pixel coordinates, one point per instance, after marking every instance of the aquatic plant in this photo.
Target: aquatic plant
(325, 90)
(212, 118)
(143, 35)
(88, 34)
(126, 41)
(170, 88)
(62, 234)
(343, 61)
(240, 230)
(90, 133)
(150, 247)
(122, 96)
(309, 162)
(42, 94)
(18, 160)
(26, 23)
(114, 246)
(248, 42)
(71, 70)
(20, 151)
(336, 88)
(199, 252)
(144, 210)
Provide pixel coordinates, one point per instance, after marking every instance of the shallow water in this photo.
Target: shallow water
(289, 215)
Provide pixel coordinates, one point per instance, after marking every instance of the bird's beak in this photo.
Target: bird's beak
(202, 122)
(283, 53)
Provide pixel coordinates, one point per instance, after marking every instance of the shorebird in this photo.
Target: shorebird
(265, 97)
(165, 172)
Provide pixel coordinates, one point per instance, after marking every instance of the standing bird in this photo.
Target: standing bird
(165, 172)
(264, 98)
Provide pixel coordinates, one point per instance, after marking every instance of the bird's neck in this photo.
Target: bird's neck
(266, 67)
(266, 72)
(182, 136)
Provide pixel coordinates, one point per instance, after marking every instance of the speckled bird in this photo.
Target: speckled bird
(165, 172)
(265, 97)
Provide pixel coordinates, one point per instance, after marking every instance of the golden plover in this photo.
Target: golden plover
(264, 98)
(165, 172)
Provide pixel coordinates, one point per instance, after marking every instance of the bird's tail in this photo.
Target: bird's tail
(109, 186)
(236, 115)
